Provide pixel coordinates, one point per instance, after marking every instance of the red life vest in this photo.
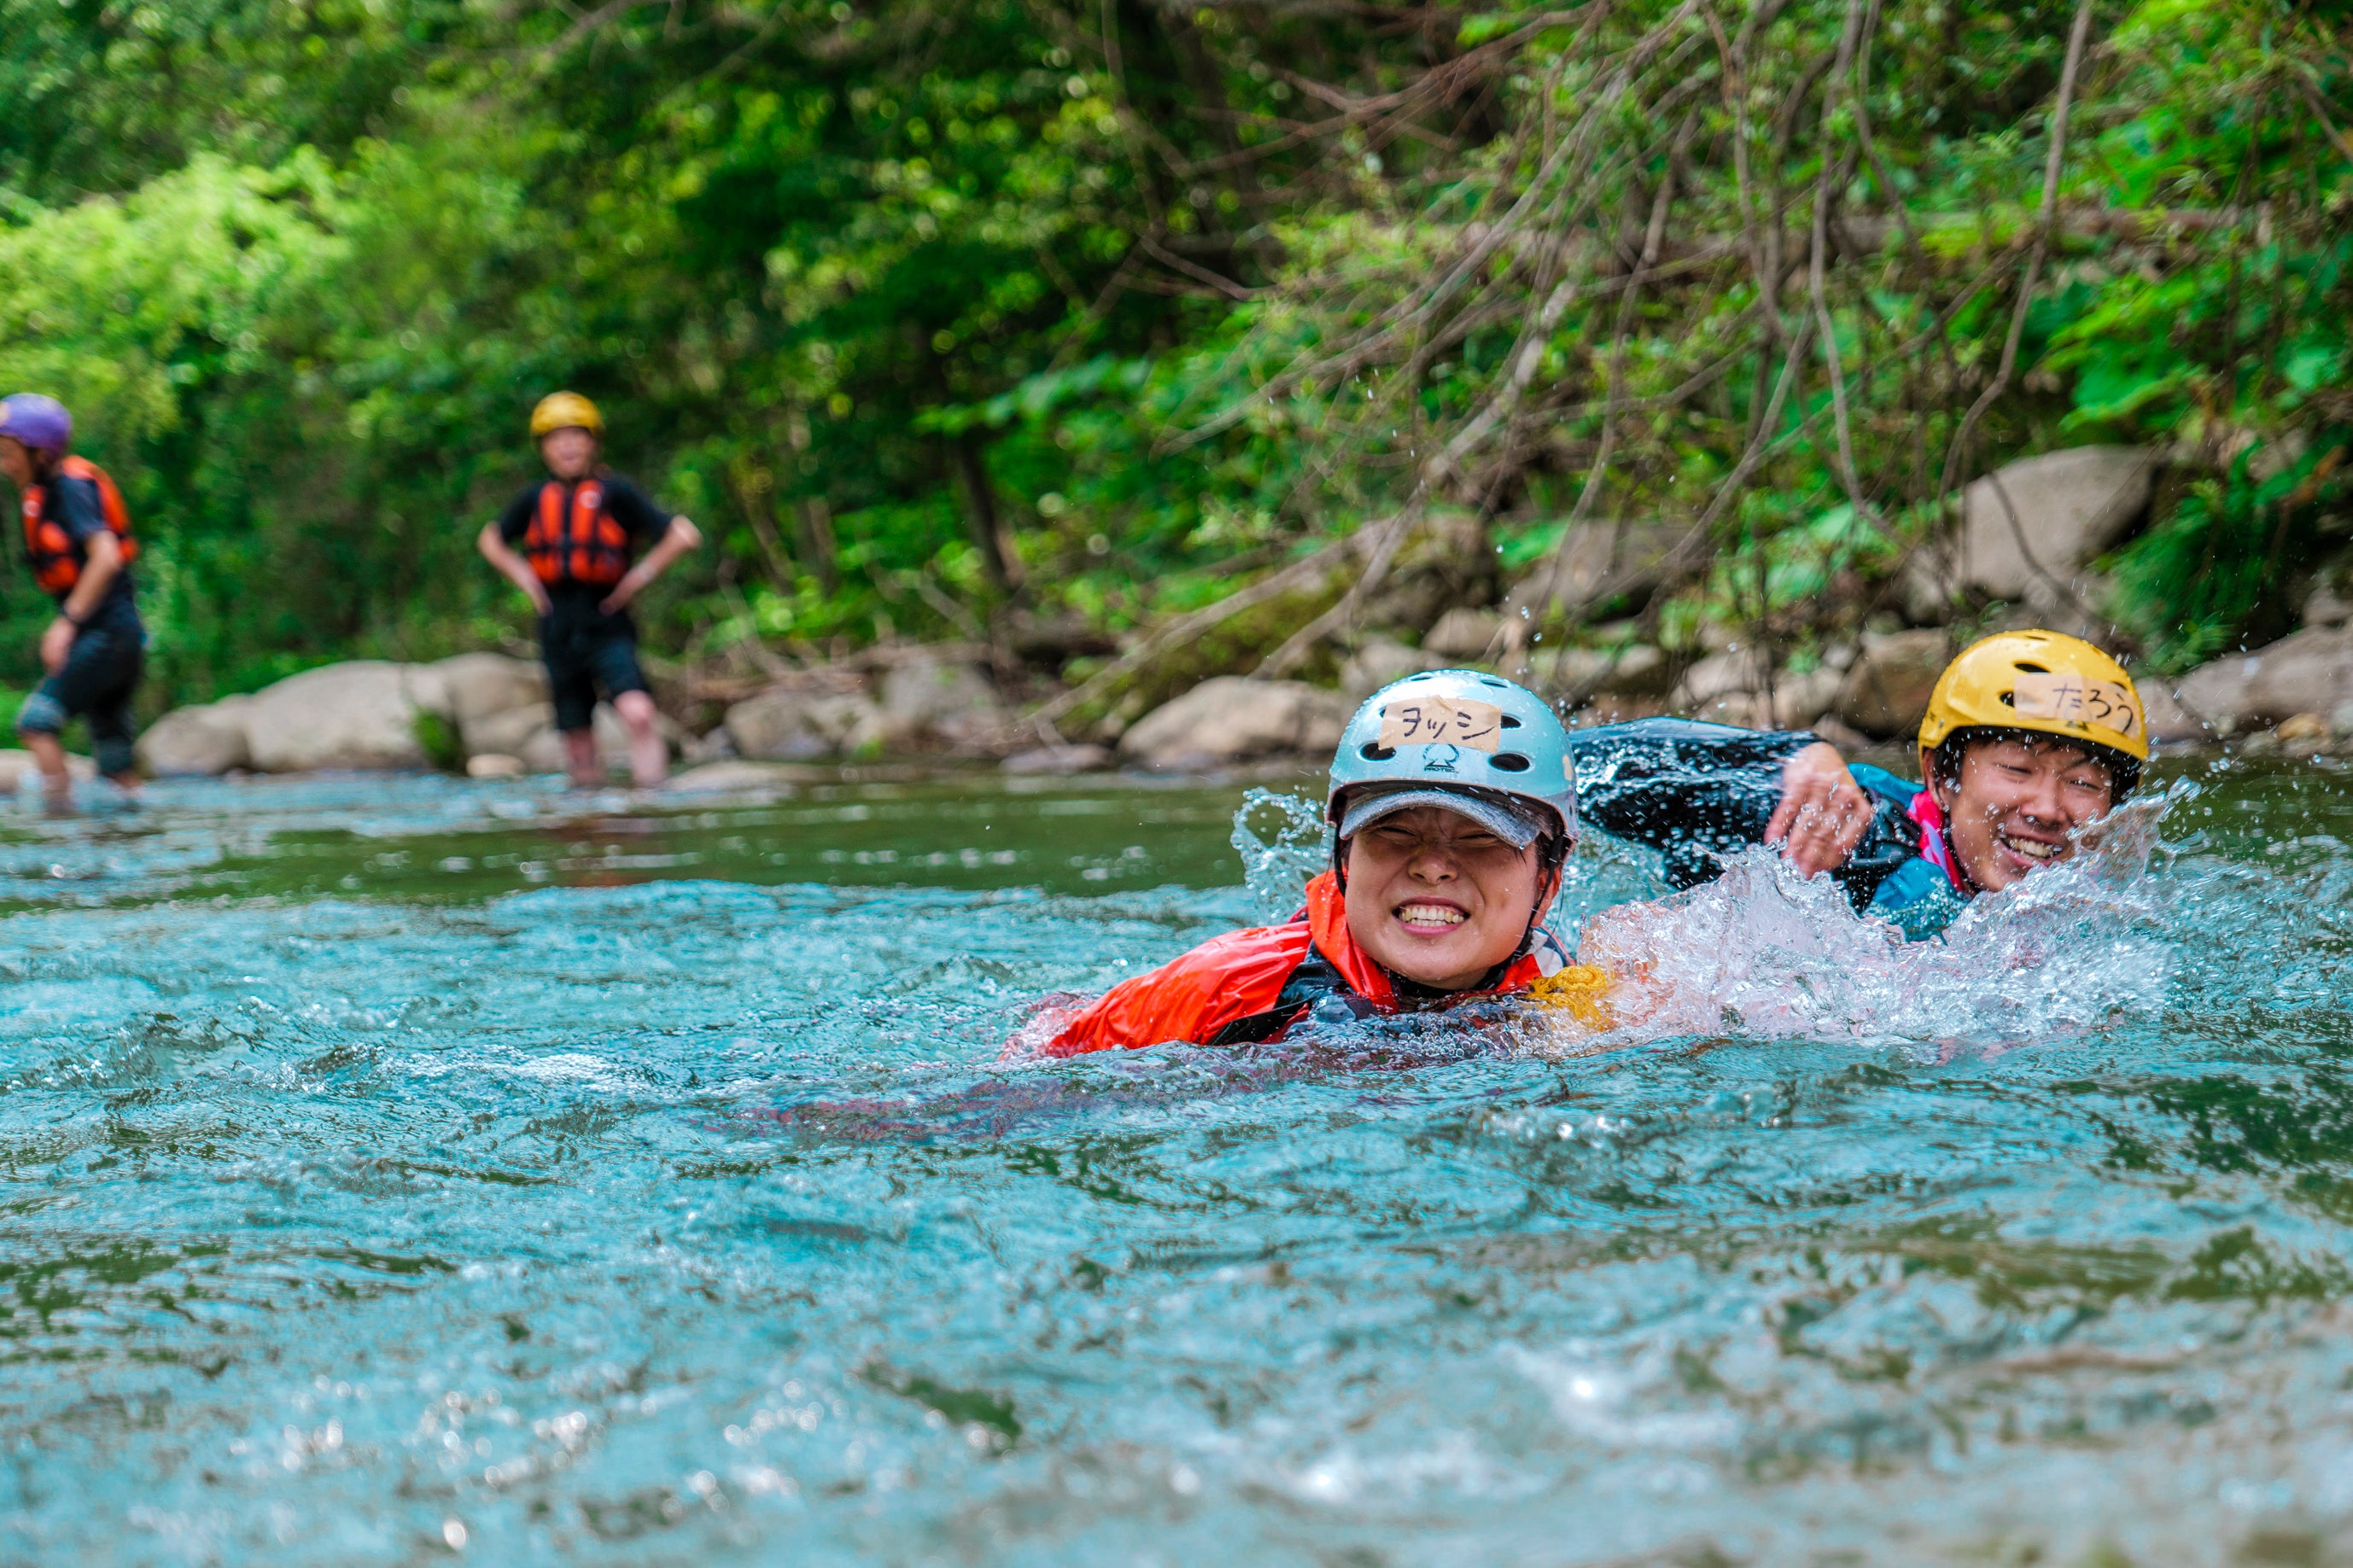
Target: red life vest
(572, 537)
(1238, 978)
(57, 563)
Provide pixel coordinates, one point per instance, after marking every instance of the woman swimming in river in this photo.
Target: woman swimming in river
(1455, 806)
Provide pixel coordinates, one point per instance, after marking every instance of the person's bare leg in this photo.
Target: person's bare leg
(49, 756)
(580, 759)
(648, 752)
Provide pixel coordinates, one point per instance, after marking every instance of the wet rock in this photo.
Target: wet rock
(2310, 672)
(2301, 727)
(494, 765)
(507, 732)
(1886, 689)
(1636, 670)
(1928, 589)
(1738, 672)
(200, 742)
(1231, 719)
(2169, 721)
(1736, 686)
(1464, 632)
(2029, 528)
(806, 719)
(1799, 700)
(1057, 761)
(737, 777)
(2330, 604)
(926, 698)
(1380, 661)
(482, 684)
(360, 715)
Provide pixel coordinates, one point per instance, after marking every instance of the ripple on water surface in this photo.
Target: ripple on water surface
(365, 1206)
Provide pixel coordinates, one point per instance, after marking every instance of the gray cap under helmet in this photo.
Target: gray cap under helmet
(1475, 744)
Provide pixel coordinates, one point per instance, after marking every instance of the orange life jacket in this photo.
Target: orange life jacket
(1239, 979)
(56, 564)
(579, 542)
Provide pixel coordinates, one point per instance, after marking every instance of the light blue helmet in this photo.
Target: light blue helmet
(1458, 733)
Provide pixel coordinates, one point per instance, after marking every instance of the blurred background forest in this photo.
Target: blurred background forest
(1036, 323)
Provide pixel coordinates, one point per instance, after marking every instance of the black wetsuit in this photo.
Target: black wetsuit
(1695, 791)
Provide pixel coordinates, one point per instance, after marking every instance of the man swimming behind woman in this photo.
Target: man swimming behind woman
(1453, 808)
(2028, 737)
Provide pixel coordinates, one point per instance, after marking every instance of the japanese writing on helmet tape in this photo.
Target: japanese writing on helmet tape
(2074, 700)
(1441, 721)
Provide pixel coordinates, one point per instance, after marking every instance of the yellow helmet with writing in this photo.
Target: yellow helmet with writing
(565, 411)
(2046, 682)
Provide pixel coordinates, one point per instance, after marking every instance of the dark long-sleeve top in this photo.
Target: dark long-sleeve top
(1695, 791)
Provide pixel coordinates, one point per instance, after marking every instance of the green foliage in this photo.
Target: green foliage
(932, 312)
(2196, 582)
(439, 739)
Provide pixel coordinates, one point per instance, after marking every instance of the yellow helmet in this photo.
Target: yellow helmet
(2045, 681)
(565, 411)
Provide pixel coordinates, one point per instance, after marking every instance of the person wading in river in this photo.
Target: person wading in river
(1453, 808)
(578, 529)
(2029, 736)
(77, 542)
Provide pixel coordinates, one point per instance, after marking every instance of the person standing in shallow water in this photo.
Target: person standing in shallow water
(2029, 736)
(77, 543)
(579, 529)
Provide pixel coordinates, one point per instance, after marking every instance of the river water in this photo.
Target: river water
(402, 1171)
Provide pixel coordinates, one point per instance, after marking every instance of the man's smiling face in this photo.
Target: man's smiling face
(2015, 803)
(1437, 898)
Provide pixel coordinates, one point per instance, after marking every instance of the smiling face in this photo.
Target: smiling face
(568, 452)
(1437, 898)
(2016, 802)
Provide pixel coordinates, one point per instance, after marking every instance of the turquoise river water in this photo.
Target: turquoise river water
(409, 1170)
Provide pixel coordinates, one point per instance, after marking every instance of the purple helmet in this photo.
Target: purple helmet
(37, 421)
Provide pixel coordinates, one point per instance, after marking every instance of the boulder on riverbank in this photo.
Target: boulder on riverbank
(918, 698)
(200, 742)
(1230, 719)
(2310, 672)
(1886, 689)
(2029, 528)
(361, 714)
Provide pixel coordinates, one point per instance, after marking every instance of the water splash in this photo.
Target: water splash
(1764, 952)
(1284, 843)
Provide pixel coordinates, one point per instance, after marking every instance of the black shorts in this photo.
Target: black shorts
(96, 683)
(589, 655)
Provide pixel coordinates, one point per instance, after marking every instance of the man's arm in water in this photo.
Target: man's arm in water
(1696, 791)
(1823, 813)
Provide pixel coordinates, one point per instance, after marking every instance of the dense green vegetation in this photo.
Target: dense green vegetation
(970, 318)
